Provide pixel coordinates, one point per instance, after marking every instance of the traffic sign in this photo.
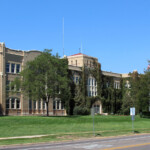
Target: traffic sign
(132, 111)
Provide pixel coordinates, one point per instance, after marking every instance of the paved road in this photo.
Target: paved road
(135, 142)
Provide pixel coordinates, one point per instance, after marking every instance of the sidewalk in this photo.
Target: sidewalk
(37, 136)
(22, 137)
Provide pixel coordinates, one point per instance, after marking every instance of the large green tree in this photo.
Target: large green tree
(144, 91)
(130, 93)
(46, 78)
(138, 95)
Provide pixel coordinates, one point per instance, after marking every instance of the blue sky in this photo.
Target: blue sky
(117, 32)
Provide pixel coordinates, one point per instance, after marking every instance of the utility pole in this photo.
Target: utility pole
(63, 37)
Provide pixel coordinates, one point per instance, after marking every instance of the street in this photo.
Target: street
(134, 142)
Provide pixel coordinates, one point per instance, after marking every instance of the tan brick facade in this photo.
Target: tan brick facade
(81, 60)
(2, 79)
(13, 61)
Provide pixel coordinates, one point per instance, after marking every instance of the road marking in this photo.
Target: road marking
(127, 146)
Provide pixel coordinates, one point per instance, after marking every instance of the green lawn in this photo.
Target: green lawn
(64, 128)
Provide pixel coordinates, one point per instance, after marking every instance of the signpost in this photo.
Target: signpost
(93, 114)
(132, 114)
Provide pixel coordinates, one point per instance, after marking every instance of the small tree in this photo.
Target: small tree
(45, 77)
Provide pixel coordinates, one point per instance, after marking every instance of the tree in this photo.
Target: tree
(138, 94)
(134, 90)
(130, 93)
(45, 78)
(127, 103)
(144, 91)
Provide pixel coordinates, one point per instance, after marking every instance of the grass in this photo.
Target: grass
(65, 128)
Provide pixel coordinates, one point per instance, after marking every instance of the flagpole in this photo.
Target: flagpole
(63, 36)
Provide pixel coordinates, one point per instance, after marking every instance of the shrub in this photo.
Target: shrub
(81, 110)
(145, 114)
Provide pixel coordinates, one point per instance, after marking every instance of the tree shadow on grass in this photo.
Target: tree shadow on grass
(98, 134)
(63, 116)
(136, 132)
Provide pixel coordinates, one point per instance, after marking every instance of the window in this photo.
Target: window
(76, 79)
(17, 88)
(7, 85)
(107, 84)
(39, 104)
(57, 104)
(95, 93)
(89, 81)
(92, 93)
(54, 105)
(7, 67)
(17, 68)
(7, 103)
(76, 62)
(71, 62)
(89, 93)
(30, 104)
(12, 103)
(44, 104)
(34, 104)
(18, 104)
(79, 79)
(12, 68)
(128, 85)
(92, 81)
(118, 85)
(115, 85)
(62, 106)
(12, 86)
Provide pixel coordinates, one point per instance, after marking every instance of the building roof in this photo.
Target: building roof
(106, 73)
(79, 54)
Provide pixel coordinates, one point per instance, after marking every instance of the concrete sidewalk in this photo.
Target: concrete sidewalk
(22, 137)
(36, 136)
